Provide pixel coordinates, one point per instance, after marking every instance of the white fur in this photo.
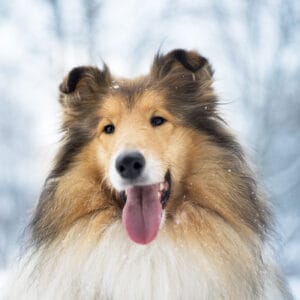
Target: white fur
(151, 174)
(116, 268)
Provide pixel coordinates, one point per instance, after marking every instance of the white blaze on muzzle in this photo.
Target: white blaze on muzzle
(143, 170)
(145, 187)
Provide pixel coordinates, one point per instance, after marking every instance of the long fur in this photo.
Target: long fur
(214, 243)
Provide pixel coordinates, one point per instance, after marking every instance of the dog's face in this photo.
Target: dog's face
(142, 137)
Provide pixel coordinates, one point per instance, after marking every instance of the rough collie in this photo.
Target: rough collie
(150, 196)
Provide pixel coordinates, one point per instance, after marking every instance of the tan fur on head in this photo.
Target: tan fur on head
(216, 222)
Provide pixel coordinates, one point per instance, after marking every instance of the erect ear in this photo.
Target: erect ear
(181, 61)
(81, 89)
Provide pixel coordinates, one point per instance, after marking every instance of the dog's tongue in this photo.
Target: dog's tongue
(142, 213)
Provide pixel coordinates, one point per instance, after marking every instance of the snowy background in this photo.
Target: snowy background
(253, 46)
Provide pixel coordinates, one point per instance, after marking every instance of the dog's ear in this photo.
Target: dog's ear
(82, 89)
(185, 76)
(181, 61)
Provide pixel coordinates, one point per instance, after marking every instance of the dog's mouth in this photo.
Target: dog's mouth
(143, 209)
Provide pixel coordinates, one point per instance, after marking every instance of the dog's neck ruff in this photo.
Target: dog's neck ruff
(118, 268)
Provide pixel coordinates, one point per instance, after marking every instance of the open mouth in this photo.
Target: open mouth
(143, 207)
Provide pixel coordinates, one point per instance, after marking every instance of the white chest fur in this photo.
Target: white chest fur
(116, 268)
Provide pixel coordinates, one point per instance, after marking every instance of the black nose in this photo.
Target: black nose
(130, 165)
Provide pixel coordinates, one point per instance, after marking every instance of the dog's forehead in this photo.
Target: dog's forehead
(126, 95)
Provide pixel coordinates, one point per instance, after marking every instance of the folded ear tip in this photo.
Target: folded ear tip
(70, 81)
(191, 60)
(63, 87)
(73, 78)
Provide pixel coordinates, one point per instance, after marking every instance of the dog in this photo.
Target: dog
(150, 196)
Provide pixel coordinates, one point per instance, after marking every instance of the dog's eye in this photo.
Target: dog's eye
(157, 121)
(109, 129)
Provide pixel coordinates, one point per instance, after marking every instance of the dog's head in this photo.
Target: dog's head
(136, 147)
(143, 131)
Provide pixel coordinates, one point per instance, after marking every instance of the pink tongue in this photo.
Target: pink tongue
(142, 213)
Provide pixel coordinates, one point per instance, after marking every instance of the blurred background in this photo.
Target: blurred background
(253, 45)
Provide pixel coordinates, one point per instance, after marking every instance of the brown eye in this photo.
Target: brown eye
(157, 121)
(109, 129)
